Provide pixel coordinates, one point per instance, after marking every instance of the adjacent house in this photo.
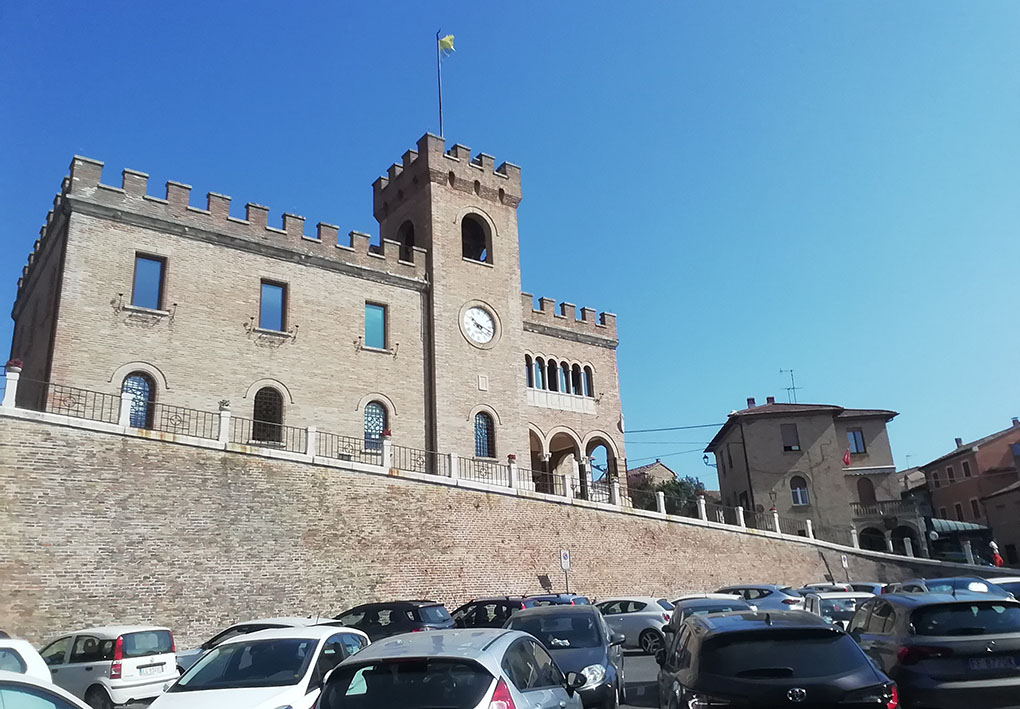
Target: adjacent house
(1002, 509)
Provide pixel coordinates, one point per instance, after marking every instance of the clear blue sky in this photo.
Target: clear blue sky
(831, 187)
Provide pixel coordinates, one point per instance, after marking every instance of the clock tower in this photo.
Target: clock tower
(458, 213)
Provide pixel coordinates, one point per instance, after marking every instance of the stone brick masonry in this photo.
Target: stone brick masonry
(99, 528)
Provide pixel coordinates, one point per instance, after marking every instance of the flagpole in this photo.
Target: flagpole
(439, 78)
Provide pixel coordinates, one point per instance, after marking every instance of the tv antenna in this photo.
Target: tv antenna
(791, 391)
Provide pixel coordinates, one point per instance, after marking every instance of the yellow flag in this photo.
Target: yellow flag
(446, 45)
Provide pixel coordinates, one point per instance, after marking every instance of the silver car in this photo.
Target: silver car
(473, 668)
(639, 619)
(767, 596)
(837, 607)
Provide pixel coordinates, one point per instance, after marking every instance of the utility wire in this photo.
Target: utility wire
(664, 455)
(675, 428)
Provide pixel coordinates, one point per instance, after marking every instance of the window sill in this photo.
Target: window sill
(273, 333)
(792, 450)
(377, 350)
(146, 311)
(475, 261)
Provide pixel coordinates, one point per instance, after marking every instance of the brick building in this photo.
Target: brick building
(425, 334)
(790, 457)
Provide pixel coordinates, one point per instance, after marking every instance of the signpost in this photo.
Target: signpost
(565, 565)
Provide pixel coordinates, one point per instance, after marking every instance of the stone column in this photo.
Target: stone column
(740, 516)
(968, 551)
(889, 547)
(387, 452)
(614, 494)
(311, 442)
(775, 522)
(660, 502)
(224, 434)
(127, 399)
(810, 529)
(454, 469)
(11, 392)
(702, 509)
(908, 546)
(568, 489)
(512, 467)
(853, 538)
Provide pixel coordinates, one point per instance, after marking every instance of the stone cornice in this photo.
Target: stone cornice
(564, 334)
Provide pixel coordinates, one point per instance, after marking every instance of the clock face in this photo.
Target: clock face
(479, 325)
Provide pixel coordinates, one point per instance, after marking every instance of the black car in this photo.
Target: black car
(944, 650)
(684, 609)
(768, 659)
(579, 640)
(487, 612)
(381, 620)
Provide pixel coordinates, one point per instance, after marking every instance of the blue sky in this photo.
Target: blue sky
(829, 187)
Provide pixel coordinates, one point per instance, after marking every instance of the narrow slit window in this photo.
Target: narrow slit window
(147, 289)
(589, 383)
(375, 326)
(273, 306)
(529, 372)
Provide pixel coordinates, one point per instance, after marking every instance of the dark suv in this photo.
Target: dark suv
(768, 659)
(381, 620)
(487, 612)
(945, 650)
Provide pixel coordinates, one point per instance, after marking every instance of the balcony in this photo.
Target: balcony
(884, 508)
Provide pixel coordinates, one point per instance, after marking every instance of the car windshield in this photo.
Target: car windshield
(982, 618)
(434, 614)
(839, 608)
(666, 605)
(276, 662)
(411, 683)
(781, 654)
(148, 642)
(558, 632)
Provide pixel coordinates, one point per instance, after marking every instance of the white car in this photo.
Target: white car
(837, 607)
(20, 691)
(700, 596)
(113, 665)
(1008, 583)
(267, 669)
(19, 656)
(639, 619)
(187, 658)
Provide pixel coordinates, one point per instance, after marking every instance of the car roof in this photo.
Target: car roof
(758, 620)
(769, 586)
(114, 631)
(556, 610)
(292, 621)
(843, 594)
(17, 644)
(487, 599)
(915, 600)
(650, 600)
(1004, 579)
(393, 604)
(309, 632)
(470, 644)
(716, 596)
(18, 678)
(700, 602)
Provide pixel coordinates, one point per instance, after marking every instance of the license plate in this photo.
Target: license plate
(150, 670)
(993, 663)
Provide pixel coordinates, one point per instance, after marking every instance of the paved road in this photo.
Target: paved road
(640, 671)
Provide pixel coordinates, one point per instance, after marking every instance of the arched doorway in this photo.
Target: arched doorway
(565, 459)
(267, 416)
(905, 532)
(866, 491)
(871, 539)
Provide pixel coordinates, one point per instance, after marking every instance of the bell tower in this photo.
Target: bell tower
(459, 214)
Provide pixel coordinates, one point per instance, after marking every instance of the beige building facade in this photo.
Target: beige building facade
(790, 457)
(424, 336)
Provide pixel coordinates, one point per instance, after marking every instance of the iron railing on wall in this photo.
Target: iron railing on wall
(835, 535)
(69, 401)
(548, 483)
(265, 434)
(184, 421)
(416, 460)
(485, 471)
(353, 448)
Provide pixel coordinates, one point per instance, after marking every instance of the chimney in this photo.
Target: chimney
(1016, 421)
(959, 443)
(750, 402)
(770, 399)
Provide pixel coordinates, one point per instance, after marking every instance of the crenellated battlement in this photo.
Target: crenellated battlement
(83, 190)
(568, 316)
(454, 168)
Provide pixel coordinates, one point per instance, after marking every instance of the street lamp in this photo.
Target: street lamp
(704, 459)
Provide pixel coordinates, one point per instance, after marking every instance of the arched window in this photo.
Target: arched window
(575, 380)
(475, 240)
(143, 406)
(866, 491)
(798, 486)
(267, 415)
(553, 371)
(539, 373)
(565, 378)
(529, 372)
(405, 235)
(589, 382)
(375, 424)
(485, 436)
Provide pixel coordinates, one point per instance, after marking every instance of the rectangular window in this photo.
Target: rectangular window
(855, 438)
(975, 508)
(147, 289)
(935, 479)
(959, 511)
(791, 441)
(942, 513)
(966, 469)
(375, 326)
(273, 306)
(950, 475)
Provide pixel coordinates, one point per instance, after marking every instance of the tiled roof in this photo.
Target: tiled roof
(1009, 488)
(642, 469)
(793, 409)
(972, 444)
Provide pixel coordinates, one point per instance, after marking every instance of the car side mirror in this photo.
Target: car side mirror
(575, 680)
(617, 639)
(660, 658)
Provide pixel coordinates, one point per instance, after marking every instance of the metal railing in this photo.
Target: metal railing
(415, 460)
(483, 471)
(758, 520)
(835, 535)
(642, 499)
(69, 401)
(793, 526)
(183, 421)
(549, 483)
(884, 508)
(595, 491)
(265, 434)
(721, 513)
(681, 506)
(357, 449)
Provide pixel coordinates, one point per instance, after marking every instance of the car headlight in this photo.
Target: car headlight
(593, 674)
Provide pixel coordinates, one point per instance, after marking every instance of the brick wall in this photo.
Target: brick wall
(99, 528)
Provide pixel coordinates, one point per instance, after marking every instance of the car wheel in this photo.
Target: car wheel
(97, 698)
(650, 642)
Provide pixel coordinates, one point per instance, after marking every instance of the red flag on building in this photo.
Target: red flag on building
(846, 457)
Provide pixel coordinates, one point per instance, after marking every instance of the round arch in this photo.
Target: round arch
(906, 530)
(152, 370)
(872, 539)
(540, 438)
(391, 409)
(592, 440)
(268, 382)
(487, 409)
(476, 212)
